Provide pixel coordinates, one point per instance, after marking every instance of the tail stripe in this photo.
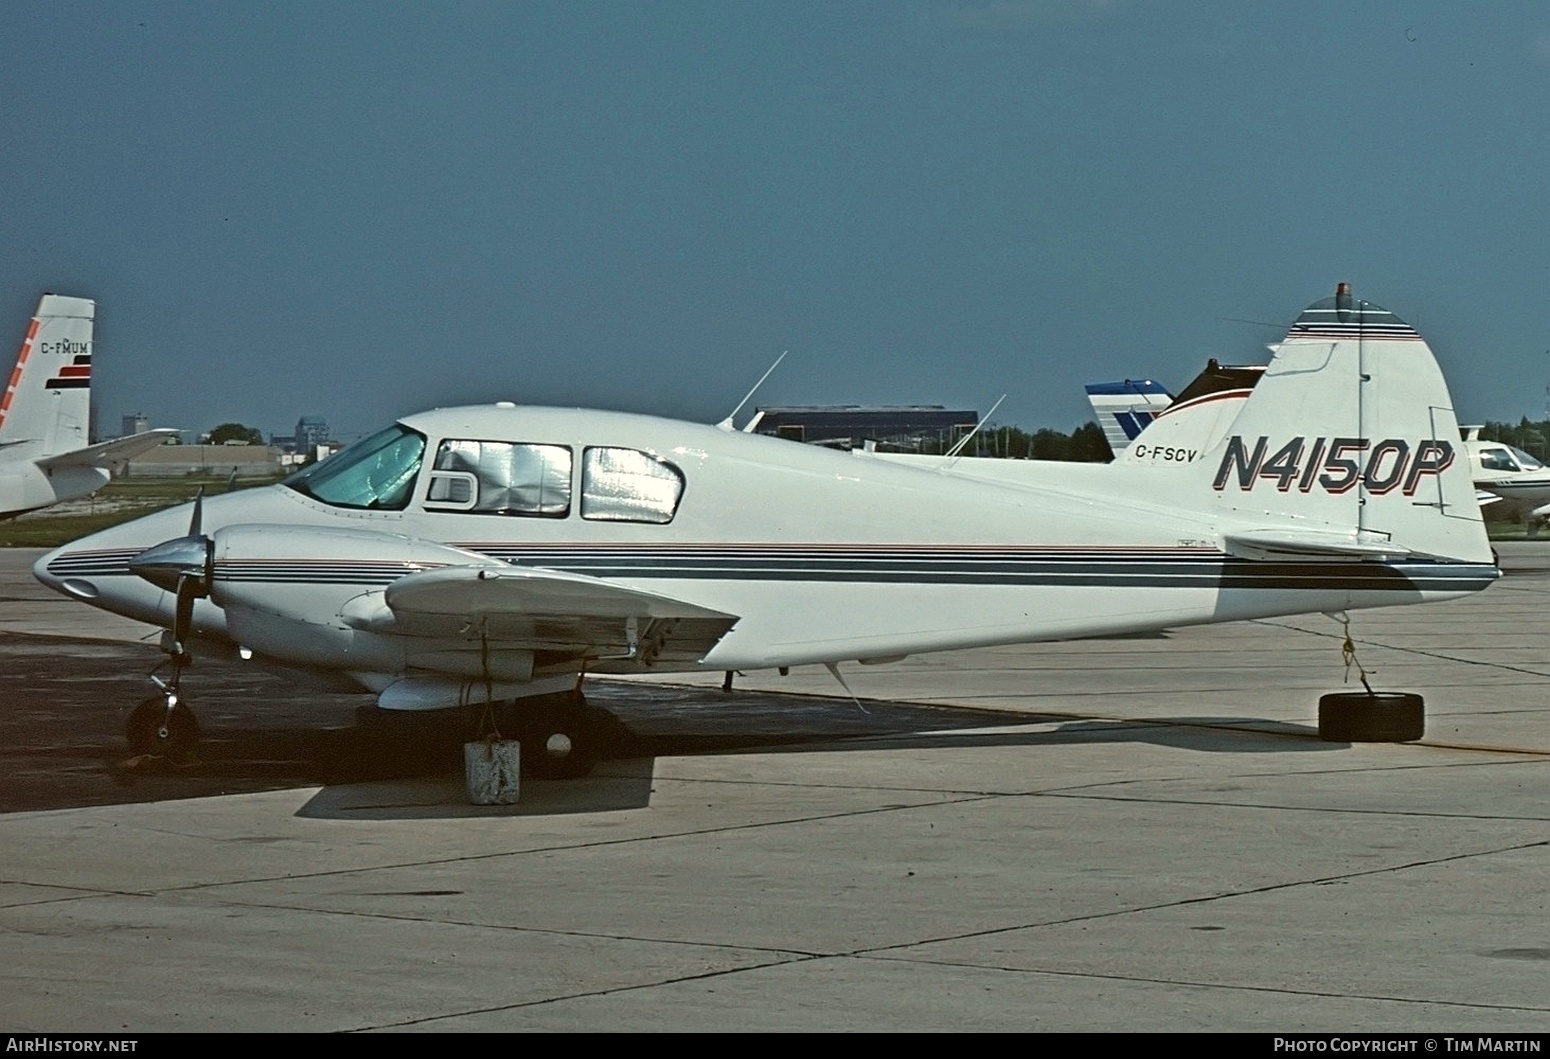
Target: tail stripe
(16, 373)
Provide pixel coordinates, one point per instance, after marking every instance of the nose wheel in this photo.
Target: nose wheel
(162, 725)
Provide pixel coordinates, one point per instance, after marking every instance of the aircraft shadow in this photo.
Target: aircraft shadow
(61, 737)
(624, 781)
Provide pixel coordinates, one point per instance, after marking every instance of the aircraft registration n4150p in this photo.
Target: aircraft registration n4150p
(503, 552)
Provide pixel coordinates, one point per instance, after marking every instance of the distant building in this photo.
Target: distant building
(134, 424)
(311, 431)
(290, 459)
(178, 461)
(904, 428)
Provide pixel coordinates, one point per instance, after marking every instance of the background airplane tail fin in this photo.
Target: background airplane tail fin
(1123, 409)
(1348, 445)
(1197, 419)
(47, 399)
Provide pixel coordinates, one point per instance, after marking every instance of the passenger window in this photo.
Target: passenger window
(627, 485)
(501, 478)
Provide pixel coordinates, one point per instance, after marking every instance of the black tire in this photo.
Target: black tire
(153, 729)
(556, 734)
(1379, 717)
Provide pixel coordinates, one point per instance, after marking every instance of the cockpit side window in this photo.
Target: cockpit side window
(627, 485)
(1497, 460)
(376, 473)
(501, 478)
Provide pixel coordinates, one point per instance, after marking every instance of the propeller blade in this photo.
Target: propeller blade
(183, 613)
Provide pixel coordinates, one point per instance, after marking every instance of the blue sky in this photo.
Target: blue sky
(364, 210)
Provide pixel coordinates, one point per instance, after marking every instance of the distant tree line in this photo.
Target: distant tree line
(236, 432)
(1085, 444)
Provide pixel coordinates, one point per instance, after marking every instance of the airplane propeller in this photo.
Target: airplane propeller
(183, 566)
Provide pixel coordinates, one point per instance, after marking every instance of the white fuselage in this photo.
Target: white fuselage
(821, 556)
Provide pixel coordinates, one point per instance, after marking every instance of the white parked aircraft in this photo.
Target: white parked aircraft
(500, 552)
(1513, 483)
(44, 414)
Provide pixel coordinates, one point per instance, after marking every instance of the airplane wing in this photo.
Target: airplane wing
(548, 610)
(109, 455)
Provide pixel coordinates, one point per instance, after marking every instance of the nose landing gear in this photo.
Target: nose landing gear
(162, 725)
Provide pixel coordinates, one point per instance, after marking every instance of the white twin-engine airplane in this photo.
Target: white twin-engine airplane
(44, 414)
(499, 552)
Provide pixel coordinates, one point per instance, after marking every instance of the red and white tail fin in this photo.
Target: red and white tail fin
(1348, 445)
(47, 401)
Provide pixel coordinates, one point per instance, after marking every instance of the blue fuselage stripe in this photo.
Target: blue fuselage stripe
(876, 566)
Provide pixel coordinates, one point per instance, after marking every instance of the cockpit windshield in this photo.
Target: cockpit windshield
(376, 472)
(1527, 462)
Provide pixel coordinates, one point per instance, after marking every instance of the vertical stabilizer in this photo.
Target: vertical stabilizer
(47, 401)
(1348, 443)
(1124, 409)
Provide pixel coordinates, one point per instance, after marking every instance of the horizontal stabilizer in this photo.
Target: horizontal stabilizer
(1307, 544)
(108, 455)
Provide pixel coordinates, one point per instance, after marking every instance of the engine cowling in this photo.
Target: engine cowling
(297, 593)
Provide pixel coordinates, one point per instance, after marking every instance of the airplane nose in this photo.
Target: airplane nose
(41, 572)
(52, 570)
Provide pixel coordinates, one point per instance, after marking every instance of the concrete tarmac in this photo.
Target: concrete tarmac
(1126, 834)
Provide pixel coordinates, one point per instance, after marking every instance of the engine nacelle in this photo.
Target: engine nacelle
(298, 593)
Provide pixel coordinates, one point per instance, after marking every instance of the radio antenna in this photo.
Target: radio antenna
(956, 449)
(726, 424)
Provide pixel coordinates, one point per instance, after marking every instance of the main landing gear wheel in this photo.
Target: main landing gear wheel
(162, 725)
(1371, 717)
(557, 736)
